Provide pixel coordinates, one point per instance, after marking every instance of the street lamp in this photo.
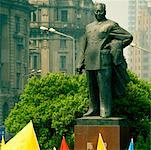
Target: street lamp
(65, 35)
(143, 49)
(44, 28)
(33, 72)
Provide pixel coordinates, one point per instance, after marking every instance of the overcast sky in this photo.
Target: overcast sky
(117, 10)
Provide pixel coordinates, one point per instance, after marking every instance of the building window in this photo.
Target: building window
(5, 111)
(25, 26)
(62, 63)
(0, 76)
(30, 61)
(18, 67)
(1, 40)
(56, 14)
(64, 15)
(18, 80)
(33, 17)
(17, 23)
(18, 52)
(33, 43)
(35, 61)
(63, 43)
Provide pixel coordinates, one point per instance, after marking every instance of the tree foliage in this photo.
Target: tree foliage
(54, 102)
(135, 107)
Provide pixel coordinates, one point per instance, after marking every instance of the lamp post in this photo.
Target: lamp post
(143, 49)
(148, 52)
(65, 35)
(32, 73)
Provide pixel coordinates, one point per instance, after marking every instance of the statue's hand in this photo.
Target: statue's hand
(79, 70)
(116, 44)
(117, 51)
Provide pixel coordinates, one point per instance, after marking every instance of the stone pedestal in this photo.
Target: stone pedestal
(114, 131)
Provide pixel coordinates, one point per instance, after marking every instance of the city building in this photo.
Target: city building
(14, 41)
(139, 56)
(51, 52)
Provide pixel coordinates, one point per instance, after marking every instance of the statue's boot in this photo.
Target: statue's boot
(105, 111)
(93, 109)
(91, 112)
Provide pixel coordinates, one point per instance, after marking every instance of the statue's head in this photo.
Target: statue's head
(100, 11)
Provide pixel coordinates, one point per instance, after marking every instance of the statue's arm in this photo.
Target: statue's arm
(118, 33)
(80, 62)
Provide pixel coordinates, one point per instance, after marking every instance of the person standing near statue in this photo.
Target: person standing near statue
(102, 58)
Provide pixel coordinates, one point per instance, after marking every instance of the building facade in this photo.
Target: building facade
(14, 39)
(50, 52)
(139, 57)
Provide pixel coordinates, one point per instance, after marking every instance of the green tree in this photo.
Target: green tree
(135, 107)
(143, 144)
(52, 103)
(56, 100)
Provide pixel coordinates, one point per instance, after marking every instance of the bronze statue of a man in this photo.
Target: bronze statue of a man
(102, 57)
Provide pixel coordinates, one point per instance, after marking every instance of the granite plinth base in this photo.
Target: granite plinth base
(114, 131)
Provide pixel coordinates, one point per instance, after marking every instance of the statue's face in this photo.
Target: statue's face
(100, 11)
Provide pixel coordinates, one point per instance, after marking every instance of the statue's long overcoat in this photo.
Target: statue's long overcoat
(101, 40)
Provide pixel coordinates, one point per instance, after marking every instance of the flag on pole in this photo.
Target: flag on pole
(64, 145)
(54, 148)
(3, 141)
(101, 145)
(24, 140)
(131, 146)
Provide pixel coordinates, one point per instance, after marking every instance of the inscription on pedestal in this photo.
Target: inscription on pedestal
(90, 146)
(115, 134)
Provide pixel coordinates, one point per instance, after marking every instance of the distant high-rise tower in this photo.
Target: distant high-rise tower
(51, 52)
(139, 58)
(14, 33)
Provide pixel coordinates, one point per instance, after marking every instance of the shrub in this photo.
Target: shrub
(54, 102)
